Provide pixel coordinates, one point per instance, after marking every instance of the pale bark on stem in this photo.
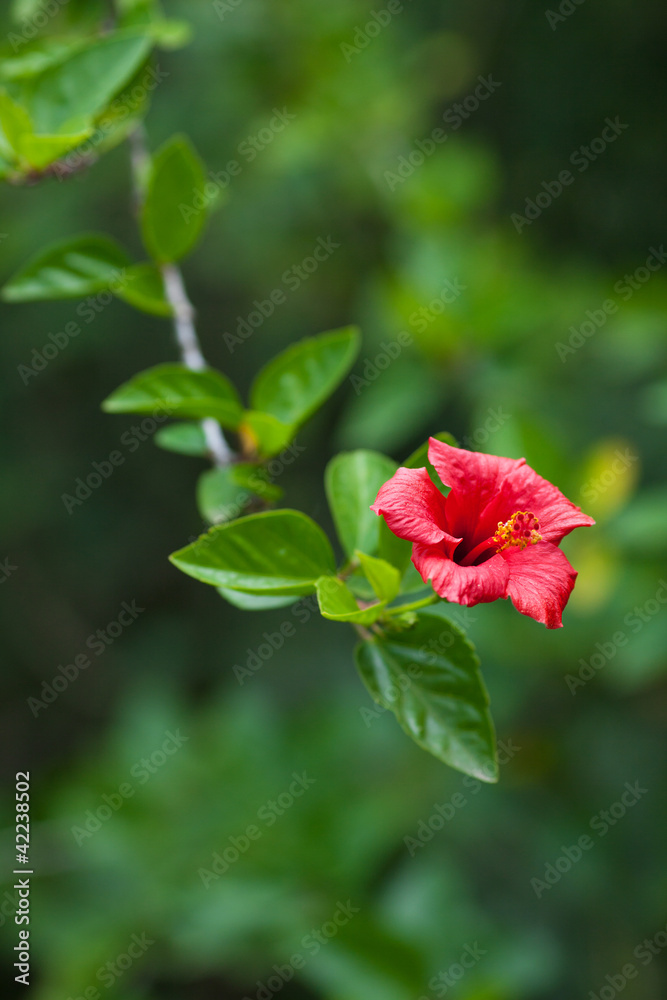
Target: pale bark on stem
(183, 310)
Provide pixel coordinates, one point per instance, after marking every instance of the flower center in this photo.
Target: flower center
(519, 531)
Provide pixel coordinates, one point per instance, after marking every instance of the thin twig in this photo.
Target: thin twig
(183, 310)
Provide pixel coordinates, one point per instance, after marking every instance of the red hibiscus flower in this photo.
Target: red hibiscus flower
(495, 535)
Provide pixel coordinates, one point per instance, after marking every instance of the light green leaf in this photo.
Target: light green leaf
(278, 552)
(428, 675)
(15, 123)
(73, 268)
(170, 34)
(219, 498)
(19, 141)
(295, 383)
(254, 602)
(179, 391)
(41, 150)
(264, 434)
(384, 578)
(45, 52)
(183, 438)
(352, 481)
(338, 603)
(170, 223)
(25, 10)
(143, 288)
(83, 82)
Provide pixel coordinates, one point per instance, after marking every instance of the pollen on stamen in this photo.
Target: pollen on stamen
(520, 530)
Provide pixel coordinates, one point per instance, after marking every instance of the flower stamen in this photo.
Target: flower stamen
(520, 530)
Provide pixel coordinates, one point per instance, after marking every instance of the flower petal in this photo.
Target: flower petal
(523, 489)
(467, 585)
(414, 509)
(540, 582)
(487, 489)
(476, 480)
(470, 471)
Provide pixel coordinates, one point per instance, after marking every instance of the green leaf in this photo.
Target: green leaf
(42, 53)
(82, 83)
(429, 677)
(183, 438)
(170, 34)
(20, 143)
(352, 481)
(255, 479)
(384, 578)
(219, 498)
(25, 10)
(41, 150)
(73, 268)
(419, 458)
(338, 603)
(181, 392)
(15, 123)
(393, 549)
(295, 383)
(254, 602)
(170, 224)
(143, 288)
(263, 434)
(278, 552)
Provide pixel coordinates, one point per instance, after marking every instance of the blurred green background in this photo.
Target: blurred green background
(485, 365)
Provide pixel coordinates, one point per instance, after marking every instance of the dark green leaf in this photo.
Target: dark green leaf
(170, 223)
(180, 392)
(429, 677)
(419, 458)
(295, 383)
(255, 479)
(73, 268)
(352, 481)
(393, 549)
(184, 438)
(277, 552)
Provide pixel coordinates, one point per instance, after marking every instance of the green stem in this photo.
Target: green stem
(415, 606)
(348, 569)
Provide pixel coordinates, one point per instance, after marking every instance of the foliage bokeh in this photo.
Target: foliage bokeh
(492, 350)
